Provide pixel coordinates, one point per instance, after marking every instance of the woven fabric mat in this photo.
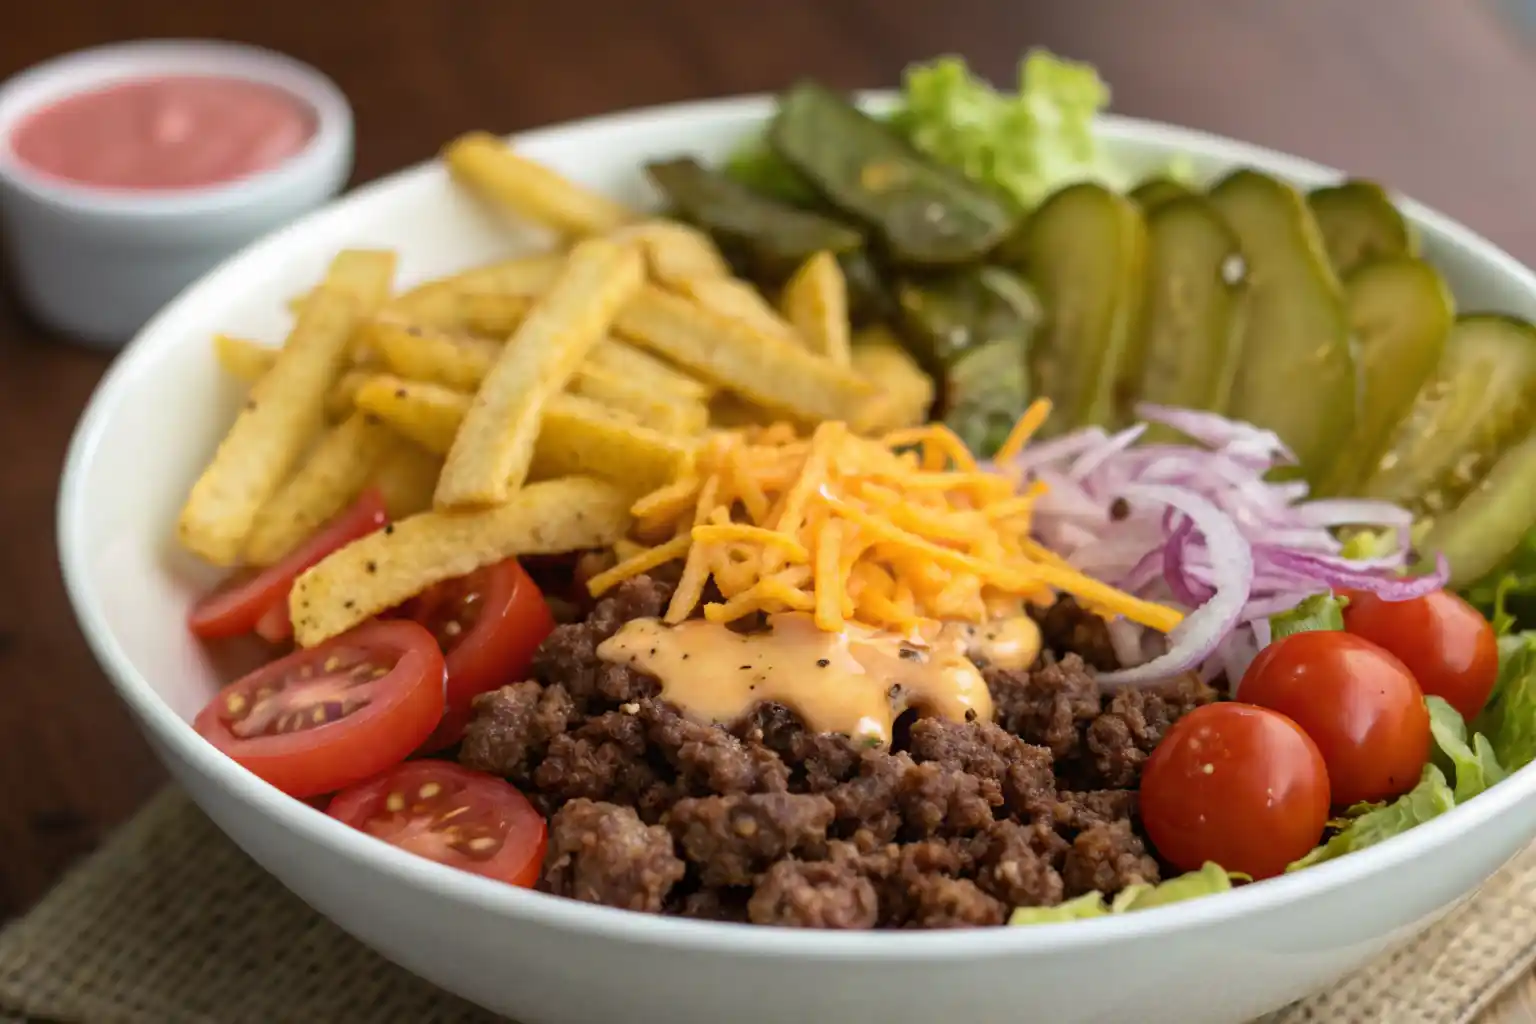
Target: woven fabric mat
(170, 923)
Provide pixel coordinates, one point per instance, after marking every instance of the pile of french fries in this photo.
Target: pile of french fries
(518, 408)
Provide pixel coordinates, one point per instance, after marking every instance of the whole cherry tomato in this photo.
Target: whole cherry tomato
(1236, 784)
(1359, 704)
(1445, 642)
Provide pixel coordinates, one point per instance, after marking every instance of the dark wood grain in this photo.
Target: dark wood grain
(1427, 94)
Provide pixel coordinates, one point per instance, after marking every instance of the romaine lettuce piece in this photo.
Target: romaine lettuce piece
(1431, 798)
(1473, 763)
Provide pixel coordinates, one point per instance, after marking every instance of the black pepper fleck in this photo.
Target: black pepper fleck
(970, 714)
(653, 652)
(371, 566)
(908, 654)
(822, 663)
(250, 403)
(389, 528)
(1119, 509)
(349, 604)
(746, 668)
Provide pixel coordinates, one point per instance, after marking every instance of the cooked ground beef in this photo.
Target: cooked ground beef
(952, 826)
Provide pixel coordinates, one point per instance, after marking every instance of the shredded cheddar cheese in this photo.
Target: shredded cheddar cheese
(888, 533)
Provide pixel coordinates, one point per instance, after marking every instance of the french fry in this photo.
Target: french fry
(490, 168)
(776, 374)
(737, 300)
(428, 414)
(406, 478)
(580, 437)
(489, 458)
(675, 252)
(506, 289)
(493, 314)
(659, 410)
(816, 301)
(421, 353)
(342, 398)
(330, 478)
(625, 360)
(385, 568)
(627, 450)
(285, 409)
(903, 392)
(242, 358)
(728, 411)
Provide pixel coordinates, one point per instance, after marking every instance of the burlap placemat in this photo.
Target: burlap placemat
(171, 924)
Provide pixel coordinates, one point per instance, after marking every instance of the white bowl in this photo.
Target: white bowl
(540, 959)
(94, 263)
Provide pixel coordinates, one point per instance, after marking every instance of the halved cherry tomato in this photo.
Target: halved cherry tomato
(236, 608)
(1445, 642)
(326, 717)
(1359, 704)
(452, 815)
(1236, 784)
(488, 624)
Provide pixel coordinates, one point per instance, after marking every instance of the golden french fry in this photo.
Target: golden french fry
(625, 360)
(330, 478)
(422, 353)
(406, 478)
(489, 458)
(675, 252)
(816, 301)
(772, 372)
(580, 437)
(903, 392)
(242, 358)
(490, 168)
(737, 300)
(285, 409)
(729, 411)
(428, 414)
(659, 410)
(506, 288)
(387, 567)
(342, 398)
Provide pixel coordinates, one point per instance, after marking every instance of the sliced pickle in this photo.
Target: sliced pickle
(1154, 192)
(1085, 249)
(1400, 312)
(1192, 321)
(1360, 224)
(1297, 375)
(1491, 519)
(1479, 400)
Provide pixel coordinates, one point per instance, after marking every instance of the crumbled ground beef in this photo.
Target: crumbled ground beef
(952, 826)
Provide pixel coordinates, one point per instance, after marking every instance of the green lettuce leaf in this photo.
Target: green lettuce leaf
(1509, 720)
(1509, 592)
(1318, 612)
(1025, 144)
(1431, 798)
(1209, 879)
(1473, 763)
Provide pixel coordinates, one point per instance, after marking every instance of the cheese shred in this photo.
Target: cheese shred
(889, 533)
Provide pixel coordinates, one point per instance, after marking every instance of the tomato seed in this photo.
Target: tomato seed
(430, 790)
(394, 803)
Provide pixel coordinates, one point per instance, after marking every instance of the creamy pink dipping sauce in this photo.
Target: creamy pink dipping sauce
(164, 134)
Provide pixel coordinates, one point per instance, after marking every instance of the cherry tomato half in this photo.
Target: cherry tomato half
(1445, 642)
(452, 815)
(237, 607)
(1359, 704)
(1236, 784)
(488, 624)
(329, 716)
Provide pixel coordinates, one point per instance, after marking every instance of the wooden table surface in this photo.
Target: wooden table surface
(1429, 95)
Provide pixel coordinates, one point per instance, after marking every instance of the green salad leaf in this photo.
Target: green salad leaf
(1509, 720)
(1472, 763)
(1027, 143)
(1318, 612)
(1510, 590)
(1431, 798)
(1209, 879)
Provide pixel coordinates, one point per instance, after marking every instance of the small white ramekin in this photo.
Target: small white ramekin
(95, 264)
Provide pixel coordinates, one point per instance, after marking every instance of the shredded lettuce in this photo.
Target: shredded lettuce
(1209, 879)
(1509, 720)
(1431, 798)
(1319, 612)
(1025, 144)
(1472, 763)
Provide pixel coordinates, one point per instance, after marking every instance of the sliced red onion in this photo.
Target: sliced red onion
(1194, 639)
(1339, 575)
(1241, 440)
